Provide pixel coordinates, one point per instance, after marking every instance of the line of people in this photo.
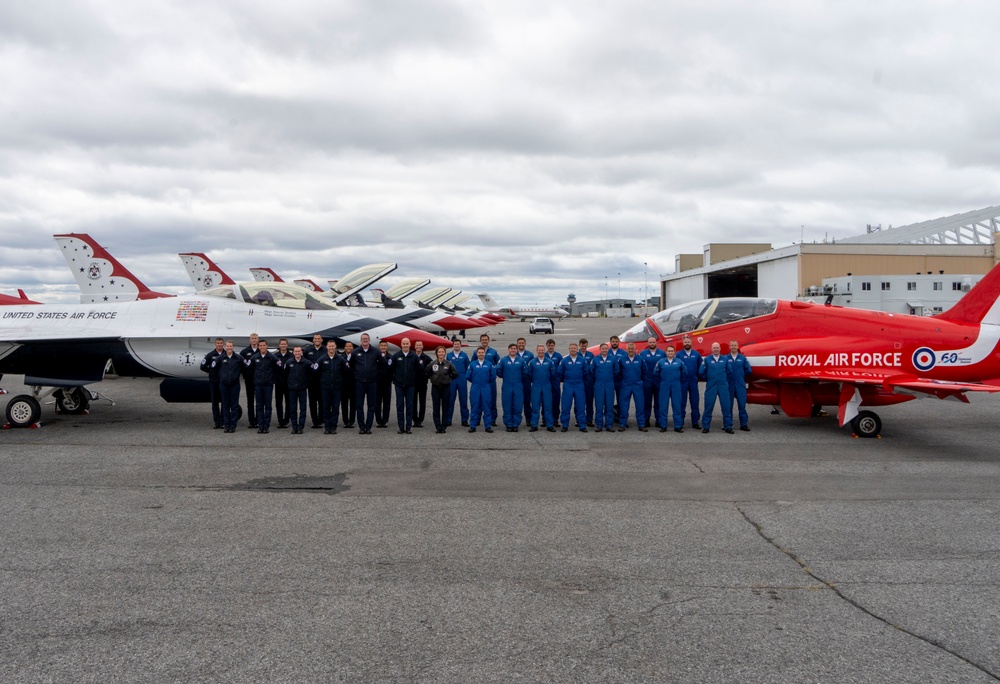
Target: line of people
(544, 389)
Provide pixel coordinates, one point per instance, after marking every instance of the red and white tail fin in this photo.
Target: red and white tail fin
(203, 272)
(100, 276)
(981, 304)
(21, 298)
(265, 275)
(308, 284)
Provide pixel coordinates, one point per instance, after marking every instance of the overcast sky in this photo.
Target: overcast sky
(528, 149)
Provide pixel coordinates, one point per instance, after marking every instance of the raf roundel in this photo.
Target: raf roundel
(924, 359)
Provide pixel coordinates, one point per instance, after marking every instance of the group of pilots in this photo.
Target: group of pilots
(544, 388)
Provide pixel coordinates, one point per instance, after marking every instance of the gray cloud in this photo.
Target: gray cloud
(524, 149)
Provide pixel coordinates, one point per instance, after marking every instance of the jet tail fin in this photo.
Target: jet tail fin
(488, 302)
(265, 275)
(101, 277)
(981, 304)
(308, 284)
(203, 272)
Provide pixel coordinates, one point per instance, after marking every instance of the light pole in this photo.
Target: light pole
(645, 284)
(605, 288)
(619, 284)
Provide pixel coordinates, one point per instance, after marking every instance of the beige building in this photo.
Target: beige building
(961, 244)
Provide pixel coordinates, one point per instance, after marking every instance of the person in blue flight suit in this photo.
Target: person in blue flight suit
(526, 356)
(459, 389)
(494, 358)
(738, 368)
(651, 355)
(246, 353)
(588, 380)
(618, 352)
(404, 377)
(632, 373)
(511, 371)
(266, 367)
(714, 373)
(329, 371)
(605, 370)
(214, 391)
(556, 358)
(540, 371)
(691, 359)
(298, 372)
(572, 370)
(230, 366)
(281, 406)
(670, 372)
(481, 376)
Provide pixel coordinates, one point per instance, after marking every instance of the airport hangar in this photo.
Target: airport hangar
(921, 268)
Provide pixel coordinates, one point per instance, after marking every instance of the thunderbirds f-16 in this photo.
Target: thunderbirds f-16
(806, 356)
(66, 347)
(202, 269)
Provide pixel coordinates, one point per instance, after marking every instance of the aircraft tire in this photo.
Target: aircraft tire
(72, 401)
(866, 424)
(23, 411)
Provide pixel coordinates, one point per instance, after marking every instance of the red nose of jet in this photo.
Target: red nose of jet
(430, 341)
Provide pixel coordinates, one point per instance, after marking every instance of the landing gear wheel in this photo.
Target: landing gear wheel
(72, 401)
(23, 411)
(866, 424)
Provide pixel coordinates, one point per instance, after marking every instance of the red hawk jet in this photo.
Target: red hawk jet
(806, 356)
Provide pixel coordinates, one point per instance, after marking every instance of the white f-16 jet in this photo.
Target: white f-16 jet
(62, 348)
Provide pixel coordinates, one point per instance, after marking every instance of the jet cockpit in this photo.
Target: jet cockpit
(699, 315)
(281, 295)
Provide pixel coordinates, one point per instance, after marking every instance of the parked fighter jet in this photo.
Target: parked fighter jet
(65, 347)
(806, 356)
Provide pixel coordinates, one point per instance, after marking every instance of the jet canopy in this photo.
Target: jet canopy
(281, 295)
(705, 313)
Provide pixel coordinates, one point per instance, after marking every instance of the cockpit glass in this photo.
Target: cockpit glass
(283, 295)
(681, 319)
(637, 333)
(226, 292)
(706, 313)
(359, 276)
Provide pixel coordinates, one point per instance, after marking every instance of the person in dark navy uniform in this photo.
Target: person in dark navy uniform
(348, 390)
(313, 354)
(246, 353)
(230, 366)
(265, 367)
(420, 388)
(329, 371)
(298, 371)
(383, 385)
(281, 383)
(364, 362)
(214, 392)
(404, 377)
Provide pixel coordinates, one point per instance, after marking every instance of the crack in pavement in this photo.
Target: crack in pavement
(836, 590)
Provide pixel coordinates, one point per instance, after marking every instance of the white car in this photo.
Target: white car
(542, 325)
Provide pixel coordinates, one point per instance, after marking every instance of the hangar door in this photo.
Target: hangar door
(733, 282)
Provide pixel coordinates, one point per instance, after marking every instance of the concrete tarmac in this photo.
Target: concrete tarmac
(140, 545)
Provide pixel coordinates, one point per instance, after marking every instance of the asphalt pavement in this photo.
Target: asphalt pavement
(140, 545)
